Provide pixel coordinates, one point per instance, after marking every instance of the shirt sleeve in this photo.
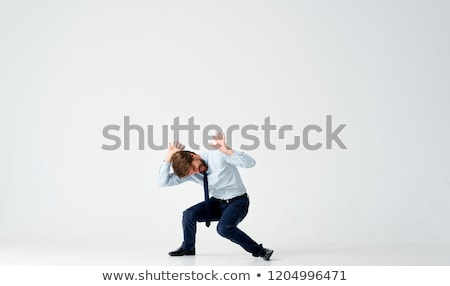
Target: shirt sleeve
(240, 159)
(166, 178)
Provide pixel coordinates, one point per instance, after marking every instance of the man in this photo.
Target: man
(217, 172)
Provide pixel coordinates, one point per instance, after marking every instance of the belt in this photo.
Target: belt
(231, 200)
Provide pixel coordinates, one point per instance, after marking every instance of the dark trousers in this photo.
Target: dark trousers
(228, 214)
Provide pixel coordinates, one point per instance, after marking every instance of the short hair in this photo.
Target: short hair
(181, 163)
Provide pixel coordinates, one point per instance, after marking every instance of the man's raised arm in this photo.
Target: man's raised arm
(232, 157)
(165, 177)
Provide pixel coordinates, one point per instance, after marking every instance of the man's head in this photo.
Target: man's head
(186, 163)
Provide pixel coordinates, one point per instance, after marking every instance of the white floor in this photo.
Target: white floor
(223, 253)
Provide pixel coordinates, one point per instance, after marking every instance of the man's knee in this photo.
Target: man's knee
(188, 215)
(225, 230)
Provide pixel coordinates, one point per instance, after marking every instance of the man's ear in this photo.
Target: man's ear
(195, 156)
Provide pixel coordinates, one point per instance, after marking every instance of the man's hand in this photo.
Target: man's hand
(220, 144)
(173, 148)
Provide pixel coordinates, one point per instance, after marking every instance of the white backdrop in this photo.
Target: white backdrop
(69, 68)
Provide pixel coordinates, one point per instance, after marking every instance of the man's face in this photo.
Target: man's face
(198, 165)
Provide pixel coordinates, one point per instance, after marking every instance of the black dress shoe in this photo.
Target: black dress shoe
(266, 254)
(181, 252)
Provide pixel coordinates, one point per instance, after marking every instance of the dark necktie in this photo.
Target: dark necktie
(206, 189)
